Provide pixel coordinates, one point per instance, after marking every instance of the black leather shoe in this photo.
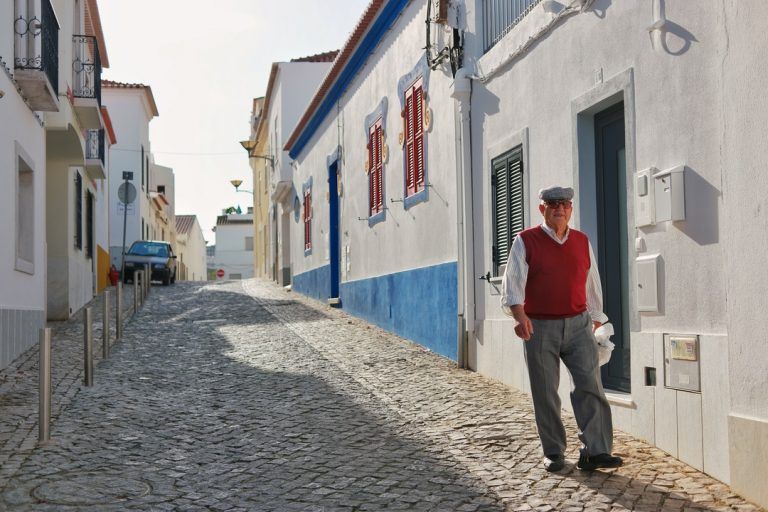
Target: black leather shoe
(601, 460)
(554, 463)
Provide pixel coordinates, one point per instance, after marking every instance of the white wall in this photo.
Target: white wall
(294, 87)
(24, 137)
(687, 102)
(192, 253)
(230, 247)
(165, 226)
(130, 118)
(744, 180)
(385, 247)
(22, 283)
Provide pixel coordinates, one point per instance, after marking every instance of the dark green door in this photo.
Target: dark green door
(611, 246)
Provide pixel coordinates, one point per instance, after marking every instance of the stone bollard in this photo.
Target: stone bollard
(141, 288)
(119, 312)
(105, 326)
(88, 347)
(44, 381)
(147, 279)
(136, 274)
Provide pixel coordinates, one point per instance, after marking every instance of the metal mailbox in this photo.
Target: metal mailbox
(682, 368)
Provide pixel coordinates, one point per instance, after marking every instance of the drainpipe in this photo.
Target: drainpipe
(461, 91)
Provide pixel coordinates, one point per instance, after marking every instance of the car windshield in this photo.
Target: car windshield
(146, 249)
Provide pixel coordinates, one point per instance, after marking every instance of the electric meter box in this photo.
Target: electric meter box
(682, 364)
(669, 194)
(644, 201)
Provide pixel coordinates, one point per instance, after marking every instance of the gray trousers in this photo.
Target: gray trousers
(571, 340)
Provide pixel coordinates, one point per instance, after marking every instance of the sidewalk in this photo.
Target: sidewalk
(240, 396)
(19, 391)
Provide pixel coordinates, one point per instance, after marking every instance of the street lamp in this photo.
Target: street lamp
(249, 146)
(237, 183)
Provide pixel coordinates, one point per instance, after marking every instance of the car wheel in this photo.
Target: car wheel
(166, 279)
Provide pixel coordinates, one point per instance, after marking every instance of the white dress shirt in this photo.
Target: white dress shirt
(516, 275)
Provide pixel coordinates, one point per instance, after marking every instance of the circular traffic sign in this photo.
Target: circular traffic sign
(220, 272)
(126, 193)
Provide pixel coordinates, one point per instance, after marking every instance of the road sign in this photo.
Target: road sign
(127, 175)
(220, 272)
(126, 193)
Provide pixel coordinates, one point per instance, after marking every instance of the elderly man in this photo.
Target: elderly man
(552, 288)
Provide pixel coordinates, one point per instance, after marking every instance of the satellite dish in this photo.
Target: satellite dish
(126, 193)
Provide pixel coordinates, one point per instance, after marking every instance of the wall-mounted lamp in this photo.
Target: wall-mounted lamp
(250, 145)
(237, 183)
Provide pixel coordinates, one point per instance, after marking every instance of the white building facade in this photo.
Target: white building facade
(131, 107)
(163, 196)
(372, 177)
(191, 264)
(76, 160)
(291, 86)
(233, 257)
(22, 200)
(651, 118)
(648, 119)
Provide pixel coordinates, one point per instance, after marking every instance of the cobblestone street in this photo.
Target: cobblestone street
(242, 396)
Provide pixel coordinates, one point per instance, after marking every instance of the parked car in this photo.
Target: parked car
(158, 254)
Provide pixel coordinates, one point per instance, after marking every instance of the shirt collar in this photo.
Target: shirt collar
(551, 232)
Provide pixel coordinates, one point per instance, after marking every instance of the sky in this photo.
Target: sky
(205, 62)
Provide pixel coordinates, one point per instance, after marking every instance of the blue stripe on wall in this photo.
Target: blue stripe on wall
(420, 305)
(365, 48)
(315, 283)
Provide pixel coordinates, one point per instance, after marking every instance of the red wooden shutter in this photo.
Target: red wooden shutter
(410, 162)
(377, 168)
(418, 137)
(307, 220)
(371, 192)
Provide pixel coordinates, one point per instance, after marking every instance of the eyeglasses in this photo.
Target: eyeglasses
(566, 204)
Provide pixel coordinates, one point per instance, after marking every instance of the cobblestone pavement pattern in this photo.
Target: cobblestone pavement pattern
(241, 396)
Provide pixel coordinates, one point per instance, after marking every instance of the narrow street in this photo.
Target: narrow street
(241, 396)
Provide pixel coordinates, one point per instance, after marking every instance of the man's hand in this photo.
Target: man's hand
(524, 327)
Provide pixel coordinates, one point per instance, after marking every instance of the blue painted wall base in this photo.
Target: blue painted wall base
(315, 283)
(420, 304)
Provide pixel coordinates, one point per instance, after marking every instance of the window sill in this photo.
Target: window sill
(376, 218)
(25, 266)
(620, 399)
(418, 197)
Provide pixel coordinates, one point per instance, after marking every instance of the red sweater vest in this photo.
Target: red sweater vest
(557, 274)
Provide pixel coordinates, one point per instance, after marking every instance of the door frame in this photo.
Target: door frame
(617, 89)
(583, 109)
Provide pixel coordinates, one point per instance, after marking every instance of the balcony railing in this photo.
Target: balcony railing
(94, 145)
(86, 68)
(499, 16)
(36, 36)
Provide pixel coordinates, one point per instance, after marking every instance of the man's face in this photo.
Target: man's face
(556, 214)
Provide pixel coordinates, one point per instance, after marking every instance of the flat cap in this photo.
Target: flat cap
(556, 193)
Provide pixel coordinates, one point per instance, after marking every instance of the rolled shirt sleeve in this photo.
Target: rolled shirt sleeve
(515, 276)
